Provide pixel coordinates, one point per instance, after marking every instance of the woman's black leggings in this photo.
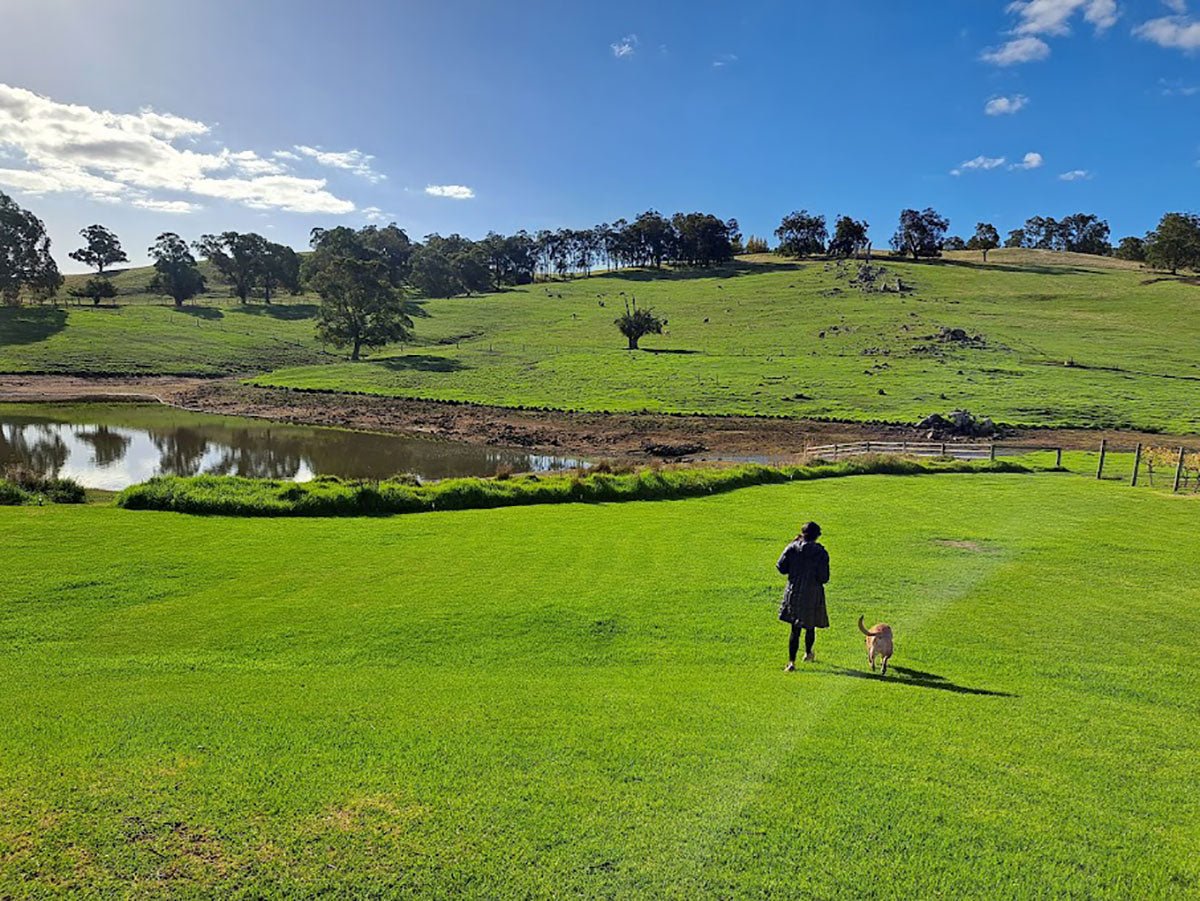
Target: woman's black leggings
(810, 635)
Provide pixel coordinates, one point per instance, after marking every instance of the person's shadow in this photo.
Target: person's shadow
(903, 675)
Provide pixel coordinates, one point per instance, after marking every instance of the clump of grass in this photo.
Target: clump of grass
(328, 496)
(21, 485)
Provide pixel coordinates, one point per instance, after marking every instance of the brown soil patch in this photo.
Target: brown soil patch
(596, 435)
(962, 545)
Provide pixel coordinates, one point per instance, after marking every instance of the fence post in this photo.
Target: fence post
(1178, 472)
(835, 452)
(993, 451)
(1100, 468)
(1058, 459)
(1137, 462)
(868, 447)
(943, 448)
(904, 447)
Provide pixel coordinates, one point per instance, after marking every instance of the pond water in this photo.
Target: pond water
(113, 446)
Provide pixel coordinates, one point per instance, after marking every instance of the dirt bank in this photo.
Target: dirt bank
(584, 434)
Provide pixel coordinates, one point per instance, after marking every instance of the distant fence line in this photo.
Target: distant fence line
(1180, 465)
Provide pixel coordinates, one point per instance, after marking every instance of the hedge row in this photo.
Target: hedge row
(328, 496)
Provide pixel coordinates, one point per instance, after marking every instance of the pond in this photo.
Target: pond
(112, 446)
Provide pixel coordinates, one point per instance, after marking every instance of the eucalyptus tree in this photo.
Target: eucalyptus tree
(175, 272)
(25, 261)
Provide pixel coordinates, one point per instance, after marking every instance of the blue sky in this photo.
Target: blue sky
(278, 116)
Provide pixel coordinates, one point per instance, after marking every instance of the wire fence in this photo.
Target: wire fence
(1163, 467)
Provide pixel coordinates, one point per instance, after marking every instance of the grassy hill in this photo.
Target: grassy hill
(595, 708)
(1062, 340)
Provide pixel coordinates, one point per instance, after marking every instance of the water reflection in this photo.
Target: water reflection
(119, 451)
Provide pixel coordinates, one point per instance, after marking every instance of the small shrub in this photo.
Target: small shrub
(12, 495)
(44, 489)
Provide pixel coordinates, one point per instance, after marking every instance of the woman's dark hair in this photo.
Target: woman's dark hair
(810, 531)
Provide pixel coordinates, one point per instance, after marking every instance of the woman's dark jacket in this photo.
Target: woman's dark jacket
(806, 564)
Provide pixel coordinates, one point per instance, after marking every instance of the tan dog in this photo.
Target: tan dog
(879, 643)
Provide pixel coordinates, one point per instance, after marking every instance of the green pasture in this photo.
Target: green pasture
(157, 339)
(1066, 340)
(587, 699)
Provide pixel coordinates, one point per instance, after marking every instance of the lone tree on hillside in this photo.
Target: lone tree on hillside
(636, 322)
(25, 261)
(102, 249)
(1175, 244)
(849, 238)
(985, 238)
(359, 306)
(802, 234)
(239, 258)
(954, 242)
(1016, 238)
(175, 272)
(97, 288)
(920, 233)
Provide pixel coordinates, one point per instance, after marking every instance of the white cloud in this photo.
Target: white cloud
(351, 160)
(455, 192)
(979, 163)
(1177, 88)
(285, 155)
(1172, 32)
(1054, 16)
(625, 47)
(375, 214)
(126, 157)
(1019, 50)
(1179, 7)
(1031, 160)
(1075, 175)
(166, 206)
(1006, 106)
(725, 59)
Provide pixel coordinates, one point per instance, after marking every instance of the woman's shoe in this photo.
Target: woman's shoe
(809, 658)
(790, 668)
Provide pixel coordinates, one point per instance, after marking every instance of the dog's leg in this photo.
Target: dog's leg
(871, 658)
(885, 663)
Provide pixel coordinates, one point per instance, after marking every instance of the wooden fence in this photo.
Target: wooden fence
(1176, 465)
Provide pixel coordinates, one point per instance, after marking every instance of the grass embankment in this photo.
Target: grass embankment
(587, 699)
(329, 496)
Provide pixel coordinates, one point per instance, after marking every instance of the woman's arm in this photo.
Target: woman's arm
(823, 567)
(782, 565)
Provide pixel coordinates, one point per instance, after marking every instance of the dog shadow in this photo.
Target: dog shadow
(903, 675)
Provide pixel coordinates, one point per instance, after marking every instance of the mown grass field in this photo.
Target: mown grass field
(587, 699)
(1067, 340)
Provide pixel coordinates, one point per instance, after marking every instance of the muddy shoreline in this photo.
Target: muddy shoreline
(596, 435)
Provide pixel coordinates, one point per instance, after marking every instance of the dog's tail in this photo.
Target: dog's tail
(863, 629)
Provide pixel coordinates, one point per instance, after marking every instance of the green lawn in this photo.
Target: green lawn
(587, 699)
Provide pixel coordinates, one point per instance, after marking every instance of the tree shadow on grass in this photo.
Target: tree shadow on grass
(666, 350)
(201, 312)
(420, 363)
(26, 325)
(902, 675)
(289, 312)
(1034, 268)
(724, 270)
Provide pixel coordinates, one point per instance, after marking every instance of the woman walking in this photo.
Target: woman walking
(806, 564)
